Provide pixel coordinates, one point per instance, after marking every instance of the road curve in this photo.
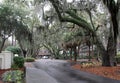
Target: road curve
(60, 71)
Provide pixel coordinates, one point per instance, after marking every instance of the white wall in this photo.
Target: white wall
(6, 59)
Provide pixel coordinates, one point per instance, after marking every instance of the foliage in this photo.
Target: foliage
(50, 38)
(13, 76)
(70, 13)
(12, 22)
(14, 66)
(18, 61)
(86, 64)
(90, 16)
(118, 58)
(13, 49)
(118, 54)
(74, 36)
(29, 59)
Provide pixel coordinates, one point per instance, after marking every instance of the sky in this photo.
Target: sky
(1, 1)
(69, 1)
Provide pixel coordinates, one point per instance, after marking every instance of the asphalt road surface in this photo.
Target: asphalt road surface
(59, 71)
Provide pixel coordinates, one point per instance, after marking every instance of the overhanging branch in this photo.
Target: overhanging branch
(73, 17)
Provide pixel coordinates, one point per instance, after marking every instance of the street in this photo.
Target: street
(59, 71)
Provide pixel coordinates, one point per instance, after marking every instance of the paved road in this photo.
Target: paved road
(58, 71)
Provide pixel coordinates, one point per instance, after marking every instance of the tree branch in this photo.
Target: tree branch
(74, 18)
(56, 8)
(79, 23)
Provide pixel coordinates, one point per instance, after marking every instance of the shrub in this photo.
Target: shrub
(86, 64)
(13, 49)
(118, 58)
(29, 59)
(19, 61)
(14, 66)
(13, 76)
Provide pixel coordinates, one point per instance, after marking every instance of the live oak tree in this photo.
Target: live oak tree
(30, 19)
(69, 15)
(8, 23)
(12, 23)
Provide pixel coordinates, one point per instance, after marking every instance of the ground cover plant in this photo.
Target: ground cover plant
(13, 76)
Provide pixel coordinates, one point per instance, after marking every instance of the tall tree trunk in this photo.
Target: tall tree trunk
(103, 52)
(75, 53)
(21, 47)
(12, 40)
(71, 53)
(15, 41)
(78, 50)
(113, 8)
(89, 53)
(92, 52)
(107, 55)
(112, 52)
(105, 59)
(2, 44)
(111, 47)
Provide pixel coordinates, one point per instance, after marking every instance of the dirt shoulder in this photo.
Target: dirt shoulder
(109, 72)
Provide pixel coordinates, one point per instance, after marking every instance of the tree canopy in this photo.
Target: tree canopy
(50, 23)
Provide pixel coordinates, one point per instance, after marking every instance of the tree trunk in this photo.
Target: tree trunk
(89, 53)
(103, 52)
(12, 40)
(98, 56)
(2, 44)
(75, 53)
(111, 48)
(21, 47)
(70, 53)
(105, 59)
(112, 51)
(78, 50)
(92, 52)
(109, 54)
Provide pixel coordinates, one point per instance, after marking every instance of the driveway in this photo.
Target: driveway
(59, 71)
